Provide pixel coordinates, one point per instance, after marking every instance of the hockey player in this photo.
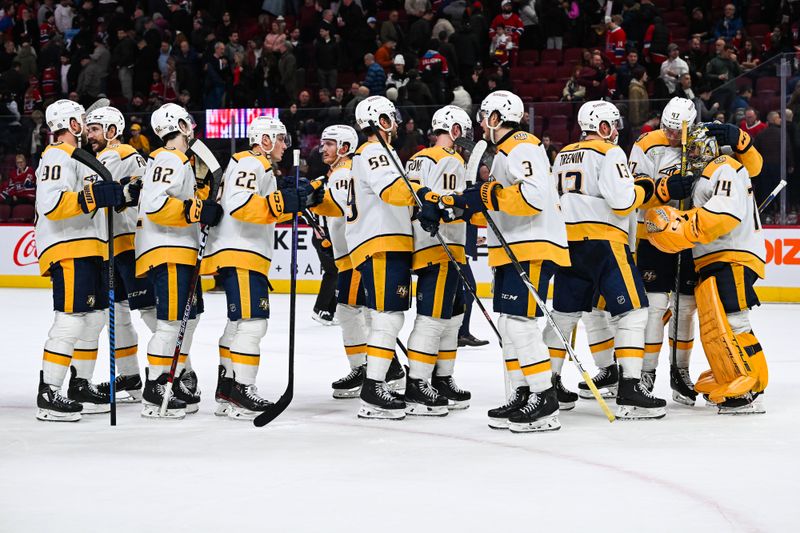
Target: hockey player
(380, 242)
(430, 387)
(723, 230)
(523, 202)
(72, 247)
(239, 252)
(167, 239)
(657, 154)
(598, 195)
(104, 128)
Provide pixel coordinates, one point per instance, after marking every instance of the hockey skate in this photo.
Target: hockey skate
(83, 391)
(53, 407)
(223, 393)
(635, 402)
(183, 390)
(396, 377)
(245, 403)
(377, 401)
(566, 398)
(424, 400)
(682, 386)
(456, 398)
(606, 381)
(649, 380)
(350, 385)
(153, 395)
(746, 404)
(326, 318)
(498, 417)
(539, 414)
(127, 389)
(189, 379)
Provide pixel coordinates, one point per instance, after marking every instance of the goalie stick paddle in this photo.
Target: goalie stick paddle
(199, 149)
(273, 411)
(93, 163)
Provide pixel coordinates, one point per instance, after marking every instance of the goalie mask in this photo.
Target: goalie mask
(701, 149)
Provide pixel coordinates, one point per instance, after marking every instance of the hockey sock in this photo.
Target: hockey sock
(513, 369)
(600, 335)
(534, 359)
(161, 347)
(423, 346)
(59, 346)
(629, 342)
(84, 357)
(246, 349)
(654, 331)
(688, 310)
(354, 333)
(149, 318)
(225, 347)
(446, 361)
(184, 360)
(567, 322)
(127, 341)
(385, 325)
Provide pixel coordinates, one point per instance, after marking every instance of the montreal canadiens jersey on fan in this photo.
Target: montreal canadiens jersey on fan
(725, 189)
(63, 230)
(164, 235)
(597, 191)
(244, 238)
(521, 159)
(123, 161)
(374, 225)
(442, 171)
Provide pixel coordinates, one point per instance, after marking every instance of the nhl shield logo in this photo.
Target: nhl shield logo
(620, 299)
(232, 308)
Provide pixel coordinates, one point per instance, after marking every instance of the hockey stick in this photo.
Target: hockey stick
(768, 200)
(92, 162)
(439, 237)
(274, 410)
(673, 358)
(200, 150)
(528, 283)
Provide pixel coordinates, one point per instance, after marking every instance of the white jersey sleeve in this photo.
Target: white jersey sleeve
(530, 166)
(616, 181)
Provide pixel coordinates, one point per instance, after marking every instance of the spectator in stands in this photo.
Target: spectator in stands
(551, 150)
(233, 46)
(385, 55)
(697, 59)
(639, 101)
(360, 37)
(397, 78)
(469, 49)
(684, 90)
(391, 30)
(557, 21)
(509, 20)
(38, 136)
(573, 90)
(217, 75)
(375, 78)
(749, 56)
(615, 40)
(409, 139)
(723, 66)
(328, 58)
(420, 33)
(656, 40)
(673, 69)
(501, 48)
(90, 81)
(699, 25)
(461, 97)
(594, 78)
(532, 35)
(768, 144)
(653, 122)
(729, 25)
(64, 15)
(751, 124)
(625, 73)
(123, 57)
(26, 28)
(21, 185)
(742, 100)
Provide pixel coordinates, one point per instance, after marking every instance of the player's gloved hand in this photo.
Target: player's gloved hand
(131, 189)
(647, 184)
(314, 191)
(100, 194)
(675, 187)
(207, 212)
(430, 213)
(726, 134)
(475, 198)
(287, 200)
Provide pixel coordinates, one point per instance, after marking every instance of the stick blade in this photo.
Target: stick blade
(274, 410)
(475, 159)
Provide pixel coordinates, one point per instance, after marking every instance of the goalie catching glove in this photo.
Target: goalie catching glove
(101, 194)
(671, 230)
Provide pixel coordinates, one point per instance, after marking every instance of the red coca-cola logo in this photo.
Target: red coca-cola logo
(25, 251)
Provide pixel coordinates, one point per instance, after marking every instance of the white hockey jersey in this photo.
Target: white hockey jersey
(122, 160)
(162, 234)
(334, 208)
(63, 230)
(378, 216)
(245, 236)
(725, 202)
(442, 171)
(521, 160)
(597, 191)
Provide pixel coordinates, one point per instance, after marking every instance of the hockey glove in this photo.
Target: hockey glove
(726, 134)
(647, 184)
(207, 212)
(430, 213)
(675, 187)
(286, 201)
(314, 191)
(100, 194)
(131, 189)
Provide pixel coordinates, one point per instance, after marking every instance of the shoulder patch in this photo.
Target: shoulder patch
(520, 137)
(67, 148)
(651, 139)
(722, 160)
(125, 151)
(180, 155)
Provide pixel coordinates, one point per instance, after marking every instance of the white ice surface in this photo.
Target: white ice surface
(319, 468)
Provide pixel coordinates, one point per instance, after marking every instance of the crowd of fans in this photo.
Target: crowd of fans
(316, 59)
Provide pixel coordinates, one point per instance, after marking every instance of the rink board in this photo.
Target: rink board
(19, 268)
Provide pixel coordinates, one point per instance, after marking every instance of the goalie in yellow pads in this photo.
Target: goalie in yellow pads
(723, 230)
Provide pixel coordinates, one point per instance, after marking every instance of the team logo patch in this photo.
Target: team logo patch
(263, 304)
(521, 136)
(649, 275)
(402, 291)
(620, 299)
(90, 300)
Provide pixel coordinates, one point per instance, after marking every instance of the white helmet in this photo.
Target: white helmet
(372, 109)
(59, 114)
(341, 134)
(592, 114)
(506, 104)
(269, 126)
(107, 116)
(449, 116)
(676, 112)
(168, 118)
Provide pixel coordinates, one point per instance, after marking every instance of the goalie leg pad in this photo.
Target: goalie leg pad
(729, 370)
(385, 325)
(354, 333)
(246, 349)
